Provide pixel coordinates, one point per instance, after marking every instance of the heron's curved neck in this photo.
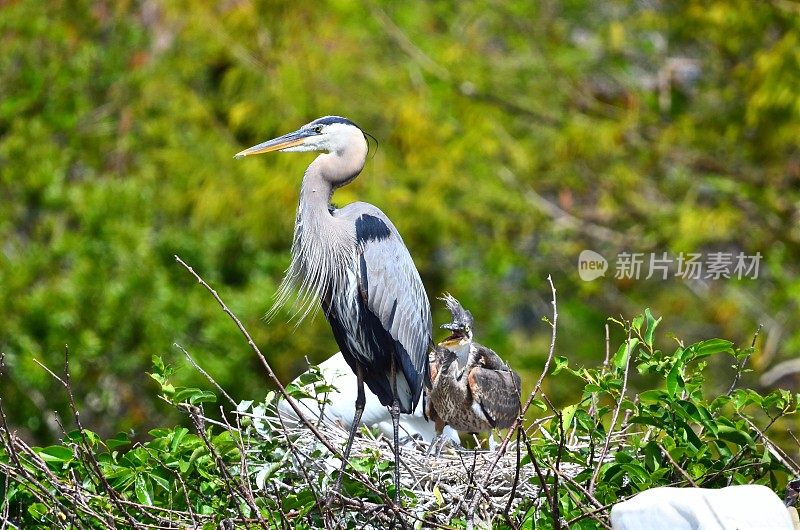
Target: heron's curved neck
(315, 192)
(330, 171)
(322, 242)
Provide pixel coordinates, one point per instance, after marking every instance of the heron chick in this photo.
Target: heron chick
(473, 390)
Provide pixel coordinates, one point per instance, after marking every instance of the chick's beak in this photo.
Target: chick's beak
(282, 142)
(457, 334)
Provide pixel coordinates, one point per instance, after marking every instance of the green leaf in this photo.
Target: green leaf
(119, 440)
(711, 347)
(559, 363)
(626, 348)
(539, 405)
(652, 456)
(567, 414)
(121, 478)
(204, 396)
(652, 323)
(653, 396)
(177, 437)
(144, 490)
(158, 364)
(197, 453)
(647, 420)
(185, 394)
(56, 453)
(742, 397)
(37, 510)
(163, 483)
(730, 433)
(674, 379)
(637, 473)
(637, 321)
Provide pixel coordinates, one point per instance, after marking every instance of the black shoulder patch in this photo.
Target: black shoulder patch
(370, 228)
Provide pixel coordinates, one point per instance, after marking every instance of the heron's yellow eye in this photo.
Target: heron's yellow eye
(318, 129)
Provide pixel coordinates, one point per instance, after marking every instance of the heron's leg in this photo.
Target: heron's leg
(360, 402)
(395, 412)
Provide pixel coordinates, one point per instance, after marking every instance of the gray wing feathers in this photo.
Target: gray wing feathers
(396, 296)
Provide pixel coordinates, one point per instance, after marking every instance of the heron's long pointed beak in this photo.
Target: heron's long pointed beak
(282, 142)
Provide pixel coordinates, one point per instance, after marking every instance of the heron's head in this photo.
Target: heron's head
(461, 326)
(331, 134)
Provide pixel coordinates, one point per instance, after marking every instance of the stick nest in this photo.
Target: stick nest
(437, 489)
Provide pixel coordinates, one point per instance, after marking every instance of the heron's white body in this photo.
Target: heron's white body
(341, 407)
(748, 507)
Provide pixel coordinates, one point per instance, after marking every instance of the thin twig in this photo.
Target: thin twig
(233, 489)
(507, 511)
(562, 441)
(591, 513)
(604, 452)
(677, 467)
(244, 487)
(740, 367)
(36, 488)
(270, 373)
(206, 375)
(295, 453)
(551, 351)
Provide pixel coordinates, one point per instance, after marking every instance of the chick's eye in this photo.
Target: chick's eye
(318, 129)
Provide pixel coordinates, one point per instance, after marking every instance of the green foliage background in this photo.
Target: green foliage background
(512, 136)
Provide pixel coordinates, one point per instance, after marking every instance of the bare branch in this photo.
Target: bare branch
(604, 452)
(206, 375)
(740, 367)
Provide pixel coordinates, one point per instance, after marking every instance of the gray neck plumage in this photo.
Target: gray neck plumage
(323, 245)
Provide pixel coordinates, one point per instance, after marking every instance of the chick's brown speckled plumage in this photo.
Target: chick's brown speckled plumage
(473, 390)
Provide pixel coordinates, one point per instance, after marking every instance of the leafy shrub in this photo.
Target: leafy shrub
(253, 471)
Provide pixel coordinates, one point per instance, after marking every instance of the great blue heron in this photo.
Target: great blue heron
(473, 389)
(354, 262)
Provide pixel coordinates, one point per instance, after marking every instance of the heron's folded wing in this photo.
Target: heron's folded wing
(488, 358)
(498, 394)
(394, 293)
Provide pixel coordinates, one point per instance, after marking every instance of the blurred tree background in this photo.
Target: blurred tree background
(512, 136)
